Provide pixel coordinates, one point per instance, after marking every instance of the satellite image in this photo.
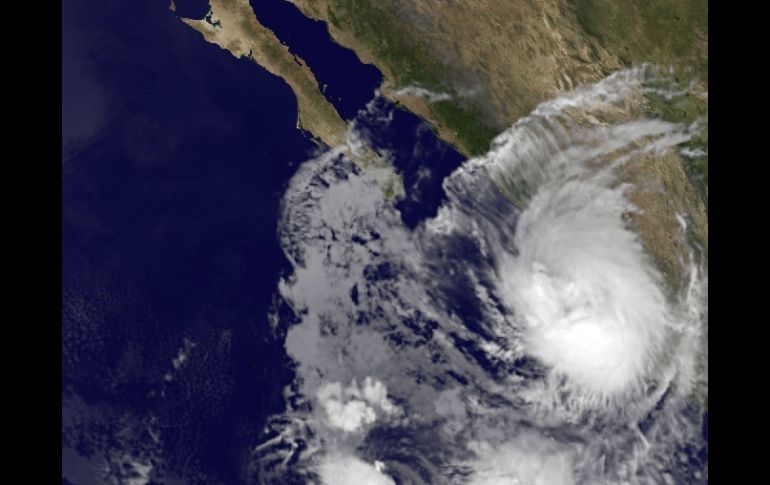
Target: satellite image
(380, 242)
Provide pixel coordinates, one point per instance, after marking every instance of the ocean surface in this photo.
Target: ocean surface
(409, 142)
(175, 156)
(345, 81)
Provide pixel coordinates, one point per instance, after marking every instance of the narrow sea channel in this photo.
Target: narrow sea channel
(422, 159)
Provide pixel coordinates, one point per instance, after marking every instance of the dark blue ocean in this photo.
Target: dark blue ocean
(420, 157)
(175, 156)
(344, 80)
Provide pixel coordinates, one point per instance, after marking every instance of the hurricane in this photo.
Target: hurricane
(523, 335)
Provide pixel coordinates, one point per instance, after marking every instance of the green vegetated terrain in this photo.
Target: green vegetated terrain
(658, 31)
(408, 62)
(664, 32)
(389, 33)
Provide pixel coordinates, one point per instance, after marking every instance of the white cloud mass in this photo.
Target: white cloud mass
(352, 408)
(349, 470)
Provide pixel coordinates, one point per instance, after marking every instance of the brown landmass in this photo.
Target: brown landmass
(232, 25)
